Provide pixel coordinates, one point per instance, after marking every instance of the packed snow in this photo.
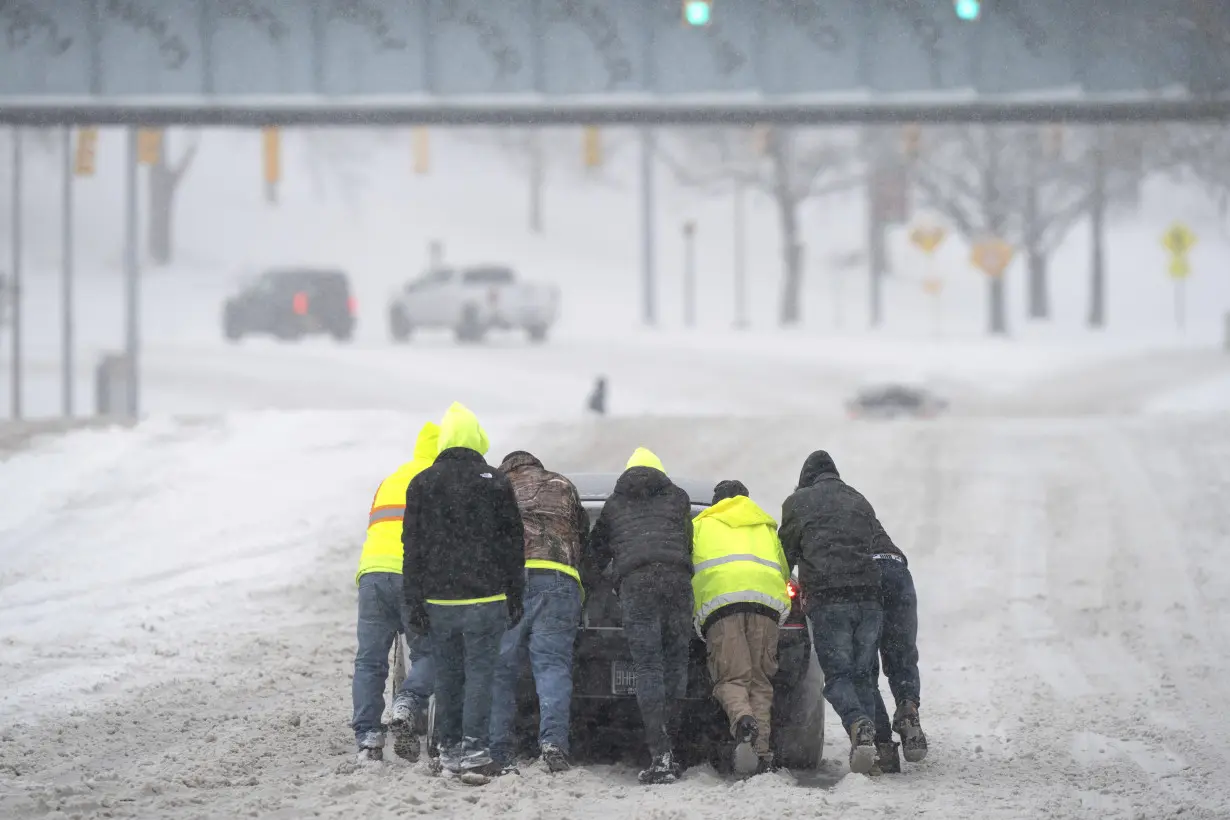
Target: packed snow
(177, 600)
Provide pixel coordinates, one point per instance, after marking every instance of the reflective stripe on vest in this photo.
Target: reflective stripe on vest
(488, 600)
(388, 512)
(742, 556)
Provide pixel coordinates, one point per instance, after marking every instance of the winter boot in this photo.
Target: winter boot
(862, 746)
(913, 741)
(474, 756)
(405, 740)
(747, 730)
(662, 769)
(746, 733)
(555, 758)
(765, 765)
(450, 758)
(888, 761)
(371, 746)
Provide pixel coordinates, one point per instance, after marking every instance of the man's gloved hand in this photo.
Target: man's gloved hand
(516, 610)
(416, 619)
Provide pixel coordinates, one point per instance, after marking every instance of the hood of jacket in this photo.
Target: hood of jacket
(739, 511)
(643, 457)
(817, 465)
(520, 459)
(427, 445)
(642, 482)
(460, 428)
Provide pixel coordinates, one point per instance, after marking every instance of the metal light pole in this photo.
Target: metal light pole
(648, 273)
(66, 261)
(15, 288)
(741, 320)
(131, 283)
(689, 273)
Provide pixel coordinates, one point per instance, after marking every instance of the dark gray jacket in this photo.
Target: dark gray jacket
(830, 530)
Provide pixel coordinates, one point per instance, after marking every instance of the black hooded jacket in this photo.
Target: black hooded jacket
(646, 520)
(830, 530)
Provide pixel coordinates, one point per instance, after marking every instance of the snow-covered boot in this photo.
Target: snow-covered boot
(662, 769)
(746, 733)
(888, 761)
(555, 758)
(474, 756)
(862, 746)
(405, 739)
(913, 741)
(371, 746)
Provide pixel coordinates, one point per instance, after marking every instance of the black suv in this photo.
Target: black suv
(606, 722)
(291, 303)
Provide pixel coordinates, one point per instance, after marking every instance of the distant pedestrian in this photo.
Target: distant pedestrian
(597, 397)
(464, 547)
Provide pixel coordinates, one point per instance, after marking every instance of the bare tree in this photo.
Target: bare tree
(165, 176)
(790, 166)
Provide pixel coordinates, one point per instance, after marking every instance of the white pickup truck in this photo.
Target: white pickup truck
(471, 301)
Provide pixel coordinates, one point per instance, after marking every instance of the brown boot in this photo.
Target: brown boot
(887, 759)
(862, 746)
(913, 741)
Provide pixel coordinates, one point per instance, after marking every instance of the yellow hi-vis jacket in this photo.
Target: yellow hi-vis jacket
(382, 551)
(737, 558)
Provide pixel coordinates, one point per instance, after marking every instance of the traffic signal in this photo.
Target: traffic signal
(87, 148)
(697, 12)
(271, 156)
(1052, 143)
(422, 151)
(592, 147)
(149, 146)
(967, 9)
(911, 138)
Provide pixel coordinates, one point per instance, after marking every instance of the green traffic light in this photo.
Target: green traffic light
(967, 9)
(697, 12)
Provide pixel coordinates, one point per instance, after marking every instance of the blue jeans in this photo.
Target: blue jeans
(546, 633)
(381, 618)
(898, 641)
(466, 641)
(847, 639)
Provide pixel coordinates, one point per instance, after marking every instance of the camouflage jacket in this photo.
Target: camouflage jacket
(556, 525)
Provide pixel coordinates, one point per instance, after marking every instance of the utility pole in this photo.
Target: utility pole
(689, 274)
(66, 261)
(131, 283)
(536, 180)
(15, 287)
(648, 262)
(741, 320)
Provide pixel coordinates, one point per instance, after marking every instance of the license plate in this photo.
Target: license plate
(623, 678)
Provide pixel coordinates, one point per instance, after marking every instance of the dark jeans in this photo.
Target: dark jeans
(381, 618)
(466, 641)
(847, 638)
(546, 633)
(898, 641)
(657, 611)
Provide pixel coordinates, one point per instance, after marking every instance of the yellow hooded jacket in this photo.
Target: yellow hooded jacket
(643, 457)
(382, 550)
(737, 558)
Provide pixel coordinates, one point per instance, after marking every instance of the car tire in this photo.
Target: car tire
(803, 749)
(342, 334)
(470, 328)
(231, 328)
(399, 324)
(537, 333)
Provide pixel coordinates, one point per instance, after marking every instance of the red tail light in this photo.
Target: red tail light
(352, 305)
(300, 304)
(792, 589)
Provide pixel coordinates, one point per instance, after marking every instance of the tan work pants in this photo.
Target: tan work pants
(742, 663)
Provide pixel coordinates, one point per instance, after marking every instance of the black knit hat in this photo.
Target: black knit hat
(728, 489)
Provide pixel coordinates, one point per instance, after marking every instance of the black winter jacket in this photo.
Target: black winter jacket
(829, 530)
(462, 536)
(646, 520)
(883, 545)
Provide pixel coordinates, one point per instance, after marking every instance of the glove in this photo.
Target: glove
(416, 619)
(516, 610)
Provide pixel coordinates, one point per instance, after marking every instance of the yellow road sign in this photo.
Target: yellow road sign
(928, 237)
(1178, 239)
(149, 146)
(992, 256)
(87, 148)
(271, 154)
(422, 150)
(1179, 267)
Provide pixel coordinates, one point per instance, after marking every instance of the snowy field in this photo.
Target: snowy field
(177, 601)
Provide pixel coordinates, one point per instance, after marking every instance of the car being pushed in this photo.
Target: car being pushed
(606, 722)
(290, 303)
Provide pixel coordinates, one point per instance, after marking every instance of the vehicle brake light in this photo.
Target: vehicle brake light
(300, 304)
(792, 588)
(352, 305)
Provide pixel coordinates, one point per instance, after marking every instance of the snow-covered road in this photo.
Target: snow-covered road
(176, 617)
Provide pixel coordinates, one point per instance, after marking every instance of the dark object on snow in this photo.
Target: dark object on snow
(895, 401)
(292, 303)
(731, 488)
(597, 397)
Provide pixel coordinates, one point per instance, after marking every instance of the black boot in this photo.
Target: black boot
(913, 741)
(662, 769)
(747, 730)
(862, 746)
(888, 761)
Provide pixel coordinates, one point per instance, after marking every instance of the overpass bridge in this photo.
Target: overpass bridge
(277, 62)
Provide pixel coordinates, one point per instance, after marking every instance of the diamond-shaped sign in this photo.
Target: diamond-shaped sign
(1179, 267)
(928, 237)
(1178, 239)
(992, 256)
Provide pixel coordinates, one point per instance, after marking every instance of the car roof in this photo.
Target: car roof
(597, 486)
